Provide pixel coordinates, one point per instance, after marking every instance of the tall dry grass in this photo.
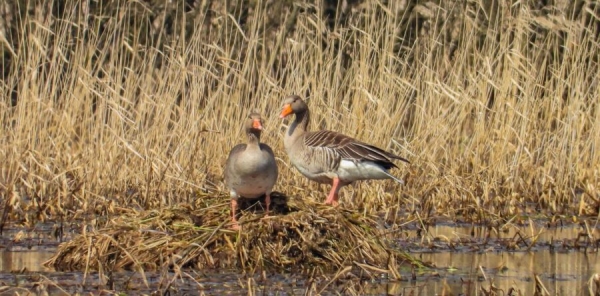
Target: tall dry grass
(496, 107)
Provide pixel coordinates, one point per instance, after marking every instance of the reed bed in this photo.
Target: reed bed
(130, 105)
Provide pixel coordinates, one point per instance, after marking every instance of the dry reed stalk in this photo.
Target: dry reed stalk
(495, 105)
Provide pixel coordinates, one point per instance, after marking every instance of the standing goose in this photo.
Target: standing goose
(251, 170)
(330, 157)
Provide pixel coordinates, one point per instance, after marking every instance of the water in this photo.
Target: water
(20, 261)
(509, 258)
(505, 259)
(561, 273)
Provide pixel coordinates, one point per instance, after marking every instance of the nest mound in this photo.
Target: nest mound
(299, 234)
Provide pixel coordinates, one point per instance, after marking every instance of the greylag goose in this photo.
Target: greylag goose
(330, 157)
(250, 170)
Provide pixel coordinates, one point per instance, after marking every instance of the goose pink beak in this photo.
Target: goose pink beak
(256, 124)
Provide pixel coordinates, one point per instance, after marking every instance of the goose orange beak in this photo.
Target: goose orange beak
(287, 110)
(256, 124)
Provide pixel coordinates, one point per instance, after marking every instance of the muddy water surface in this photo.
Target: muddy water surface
(464, 260)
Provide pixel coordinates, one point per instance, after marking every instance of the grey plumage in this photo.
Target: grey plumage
(250, 169)
(330, 157)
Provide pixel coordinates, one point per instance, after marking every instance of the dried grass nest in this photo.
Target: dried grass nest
(298, 234)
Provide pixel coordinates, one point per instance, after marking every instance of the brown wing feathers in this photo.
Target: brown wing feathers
(349, 148)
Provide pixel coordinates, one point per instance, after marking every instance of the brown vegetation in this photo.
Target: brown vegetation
(495, 105)
(300, 237)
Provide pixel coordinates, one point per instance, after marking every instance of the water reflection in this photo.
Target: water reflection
(535, 230)
(562, 271)
(23, 260)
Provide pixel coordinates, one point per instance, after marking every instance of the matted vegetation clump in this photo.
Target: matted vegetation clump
(301, 235)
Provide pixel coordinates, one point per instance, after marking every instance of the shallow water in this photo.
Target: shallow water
(482, 258)
(20, 261)
(560, 273)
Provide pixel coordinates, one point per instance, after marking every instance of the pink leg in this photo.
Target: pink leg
(332, 198)
(268, 202)
(234, 222)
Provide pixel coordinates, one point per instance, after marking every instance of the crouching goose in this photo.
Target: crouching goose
(250, 170)
(330, 157)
